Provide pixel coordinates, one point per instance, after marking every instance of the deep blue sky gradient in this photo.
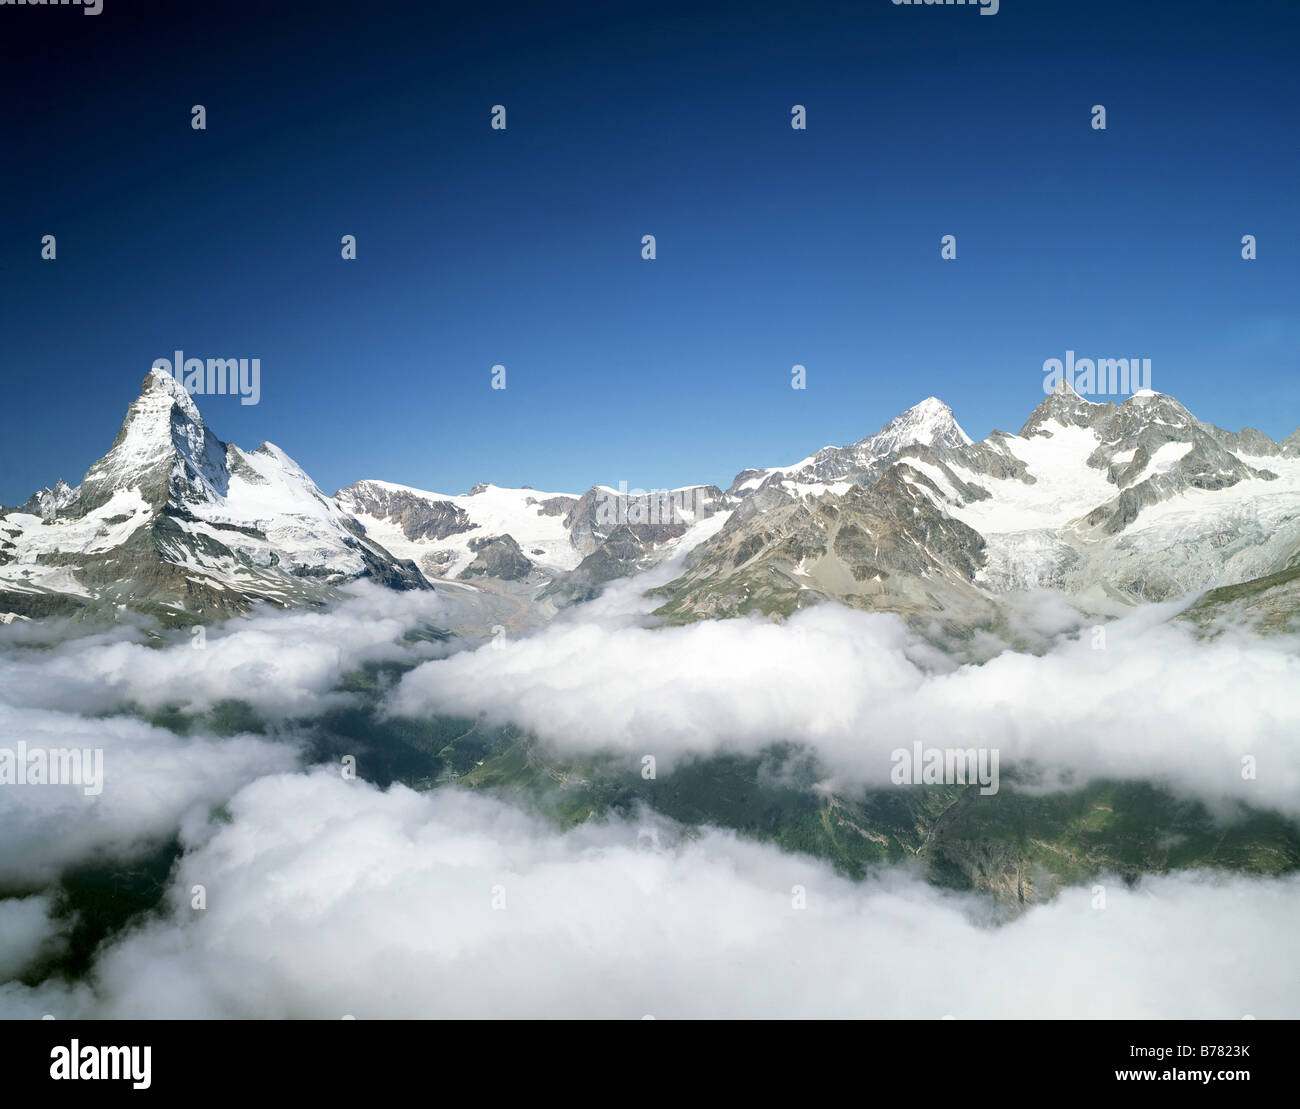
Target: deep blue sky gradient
(522, 247)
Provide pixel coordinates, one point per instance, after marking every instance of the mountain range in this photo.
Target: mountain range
(1113, 504)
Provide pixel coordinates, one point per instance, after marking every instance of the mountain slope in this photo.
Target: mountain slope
(929, 423)
(1114, 504)
(567, 543)
(175, 522)
(440, 532)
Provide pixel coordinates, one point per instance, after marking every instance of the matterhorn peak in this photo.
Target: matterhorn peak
(163, 448)
(160, 383)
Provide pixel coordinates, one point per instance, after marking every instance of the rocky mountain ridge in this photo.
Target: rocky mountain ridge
(1112, 504)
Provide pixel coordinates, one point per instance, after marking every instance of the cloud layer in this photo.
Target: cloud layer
(1146, 701)
(281, 663)
(328, 898)
(154, 781)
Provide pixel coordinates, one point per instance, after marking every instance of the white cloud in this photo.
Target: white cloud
(328, 898)
(28, 932)
(1155, 703)
(280, 662)
(153, 781)
(61, 693)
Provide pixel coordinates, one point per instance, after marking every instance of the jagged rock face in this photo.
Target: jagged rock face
(48, 502)
(1205, 466)
(1113, 503)
(930, 423)
(620, 555)
(1247, 441)
(884, 547)
(552, 533)
(1148, 534)
(654, 518)
(418, 517)
(497, 556)
(1066, 408)
(442, 533)
(175, 522)
(624, 533)
(554, 506)
(1105, 500)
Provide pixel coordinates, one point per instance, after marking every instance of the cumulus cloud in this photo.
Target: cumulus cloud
(282, 663)
(60, 691)
(1147, 700)
(327, 898)
(153, 781)
(28, 933)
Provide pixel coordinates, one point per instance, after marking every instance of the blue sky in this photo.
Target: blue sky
(523, 247)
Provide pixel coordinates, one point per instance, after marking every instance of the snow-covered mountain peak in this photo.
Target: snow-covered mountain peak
(1156, 407)
(1066, 408)
(161, 383)
(1065, 388)
(175, 522)
(163, 450)
(929, 422)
